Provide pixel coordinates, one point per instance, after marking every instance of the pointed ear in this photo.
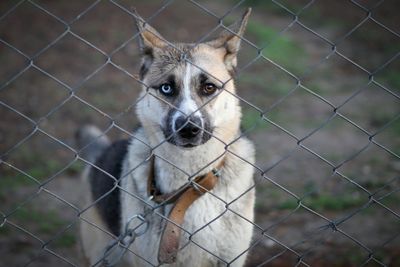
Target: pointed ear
(231, 40)
(148, 36)
(149, 40)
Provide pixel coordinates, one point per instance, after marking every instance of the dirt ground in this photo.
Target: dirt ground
(326, 123)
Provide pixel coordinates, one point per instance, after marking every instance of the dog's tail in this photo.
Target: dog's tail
(92, 142)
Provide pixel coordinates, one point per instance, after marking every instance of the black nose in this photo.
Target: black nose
(188, 128)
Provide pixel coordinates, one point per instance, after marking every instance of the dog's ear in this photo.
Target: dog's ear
(149, 40)
(148, 36)
(230, 40)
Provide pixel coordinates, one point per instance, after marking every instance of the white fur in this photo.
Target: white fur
(226, 237)
(218, 234)
(188, 105)
(223, 233)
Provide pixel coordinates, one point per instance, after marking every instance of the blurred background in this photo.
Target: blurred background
(319, 84)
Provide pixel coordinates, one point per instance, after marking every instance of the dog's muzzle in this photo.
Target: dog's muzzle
(188, 131)
(188, 128)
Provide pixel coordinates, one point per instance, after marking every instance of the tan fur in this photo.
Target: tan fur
(227, 237)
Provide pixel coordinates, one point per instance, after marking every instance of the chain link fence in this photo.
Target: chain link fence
(318, 83)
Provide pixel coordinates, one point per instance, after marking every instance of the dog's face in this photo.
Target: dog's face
(188, 95)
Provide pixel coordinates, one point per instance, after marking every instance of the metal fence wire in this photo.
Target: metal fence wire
(327, 178)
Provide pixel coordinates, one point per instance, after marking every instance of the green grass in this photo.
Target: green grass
(66, 240)
(44, 171)
(35, 166)
(326, 202)
(279, 48)
(334, 203)
(379, 118)
(38, 165)
(272, 7)
(252, 117)
(391, 200)
(288, 205)
(392, 132)
(76, 168)
(8, 182)
(5, 230)
(394, 128)
(260, 80)
(45, 222)
(391, 78)
(11, 180)
(352, 257)
(373, 185)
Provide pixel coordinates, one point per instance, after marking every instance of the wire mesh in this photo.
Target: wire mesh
(353, 178)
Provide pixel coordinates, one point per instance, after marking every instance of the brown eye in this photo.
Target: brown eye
(209, 89)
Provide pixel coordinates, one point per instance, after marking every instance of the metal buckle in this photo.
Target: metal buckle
(117, 249)
(216, 172)
(194, 185)
(129, 231)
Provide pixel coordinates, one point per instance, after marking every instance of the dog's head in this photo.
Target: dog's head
(188, 93)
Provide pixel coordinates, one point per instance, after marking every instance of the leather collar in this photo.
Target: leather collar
(182, 198)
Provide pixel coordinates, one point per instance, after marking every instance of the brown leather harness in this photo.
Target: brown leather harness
(183, 198)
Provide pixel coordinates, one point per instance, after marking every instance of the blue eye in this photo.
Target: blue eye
(166, 89)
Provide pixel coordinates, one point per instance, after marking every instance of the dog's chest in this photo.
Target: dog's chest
(215, 221)
(208, 223)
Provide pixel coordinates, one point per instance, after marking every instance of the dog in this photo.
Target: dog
(180, 192)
